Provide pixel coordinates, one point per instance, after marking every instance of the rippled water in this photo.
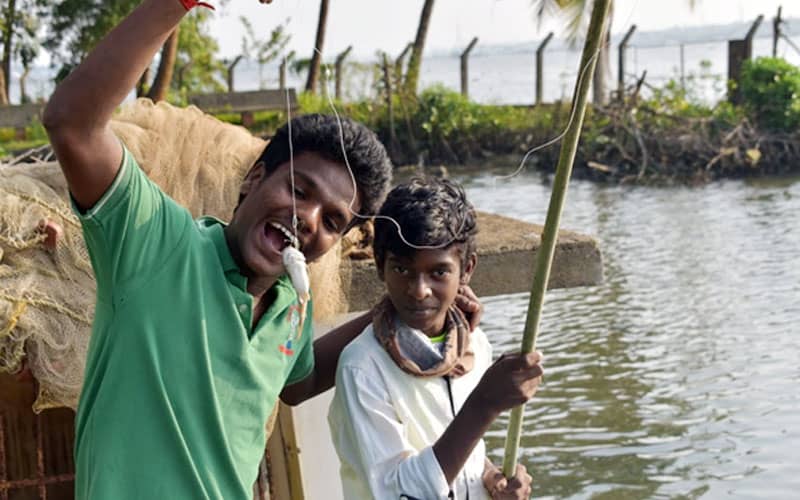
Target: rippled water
(678, 377)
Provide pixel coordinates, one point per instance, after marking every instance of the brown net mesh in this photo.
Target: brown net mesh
(47, 295)
(44, 294)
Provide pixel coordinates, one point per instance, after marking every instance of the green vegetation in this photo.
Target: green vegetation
(663, 134)
(771, 90)
(11, 145)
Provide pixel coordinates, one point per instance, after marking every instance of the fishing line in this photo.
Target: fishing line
(355, 186)
(606, 43)
(519, 169)
(559, 136)
(295, 221)
(291, 161)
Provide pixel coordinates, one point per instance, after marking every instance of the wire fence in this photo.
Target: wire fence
(508, 75)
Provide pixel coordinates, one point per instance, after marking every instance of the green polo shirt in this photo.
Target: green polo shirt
(178, 384)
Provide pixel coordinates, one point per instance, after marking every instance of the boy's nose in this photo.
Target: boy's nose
(418, 288)
(308, 219)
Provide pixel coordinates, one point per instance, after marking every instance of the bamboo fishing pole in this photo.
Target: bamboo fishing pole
(544, 257)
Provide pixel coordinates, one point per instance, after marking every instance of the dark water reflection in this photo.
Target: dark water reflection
(678, 377)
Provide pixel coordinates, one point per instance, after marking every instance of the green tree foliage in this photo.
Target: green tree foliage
(27, 48)
(197, 68)
(21, 22)
(771, 91)
(263, 50)
(77, 25)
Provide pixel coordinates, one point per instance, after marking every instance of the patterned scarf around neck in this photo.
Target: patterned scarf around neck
(409, 352)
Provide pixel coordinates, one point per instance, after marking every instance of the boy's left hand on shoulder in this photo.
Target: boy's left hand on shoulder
(468, 302)
(500, 488)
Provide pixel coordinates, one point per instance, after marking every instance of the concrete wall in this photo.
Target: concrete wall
(506, 256)
(254, 100)
(20, 116)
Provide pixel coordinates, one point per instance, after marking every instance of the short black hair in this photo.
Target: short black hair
(321, 134)
(431, 212)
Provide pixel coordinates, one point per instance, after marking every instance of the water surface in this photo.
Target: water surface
(678, 377)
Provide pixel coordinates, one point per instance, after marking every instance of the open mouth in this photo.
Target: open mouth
(288, 237)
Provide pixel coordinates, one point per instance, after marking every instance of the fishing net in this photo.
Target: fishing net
(44, 294)
(47, 294)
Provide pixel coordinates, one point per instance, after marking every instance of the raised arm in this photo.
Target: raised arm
(510, 381)
(77, 115)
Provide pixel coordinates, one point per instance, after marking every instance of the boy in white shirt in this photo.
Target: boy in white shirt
(416, 391)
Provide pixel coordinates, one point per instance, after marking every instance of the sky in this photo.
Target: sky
(373, 25)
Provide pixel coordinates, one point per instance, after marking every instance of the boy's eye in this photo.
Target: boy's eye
(441, 273)
(331, 224)
(399, 270)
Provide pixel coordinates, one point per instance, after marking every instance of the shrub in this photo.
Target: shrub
(771, 91)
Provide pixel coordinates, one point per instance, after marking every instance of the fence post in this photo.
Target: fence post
(540, 68)
(621, 63)
(282, 75)
(282, 69)
(387, 78)
(740, 51)
(398, 63)
(776, 31)
(465, 69)
(339, 60)
(230, 68)
(683, 69)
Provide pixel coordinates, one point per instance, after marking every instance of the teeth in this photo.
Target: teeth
(289, 236)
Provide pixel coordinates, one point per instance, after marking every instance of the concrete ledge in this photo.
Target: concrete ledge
(20, 115)
(506, 258)
(236, 102)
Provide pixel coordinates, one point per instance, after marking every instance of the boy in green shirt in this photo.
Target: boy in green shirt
(197, 329)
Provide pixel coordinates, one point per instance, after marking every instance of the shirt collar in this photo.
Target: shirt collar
(214, 228)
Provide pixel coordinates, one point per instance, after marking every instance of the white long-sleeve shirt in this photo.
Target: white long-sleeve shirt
(384, 423)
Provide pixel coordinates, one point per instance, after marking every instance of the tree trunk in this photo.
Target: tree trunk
(603, 69)
(415, 61)
(23, 94)
(8, 38)
(3, 95)
(316, 56)
(169, 52)
(141, 86)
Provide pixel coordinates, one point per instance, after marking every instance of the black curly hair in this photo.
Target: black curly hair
(431, 212)
(321, 134)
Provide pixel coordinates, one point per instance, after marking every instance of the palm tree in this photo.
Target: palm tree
(316, 56)
(415, 61)
(578, 13)
(166, 66)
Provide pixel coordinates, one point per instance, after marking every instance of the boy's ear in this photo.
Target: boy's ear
(469, 268)
(252, 178)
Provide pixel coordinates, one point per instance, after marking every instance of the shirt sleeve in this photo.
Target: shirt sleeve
(304, 364)
(132, 230)
(375, 444)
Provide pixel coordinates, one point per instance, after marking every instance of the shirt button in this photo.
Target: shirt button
(243, 308)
